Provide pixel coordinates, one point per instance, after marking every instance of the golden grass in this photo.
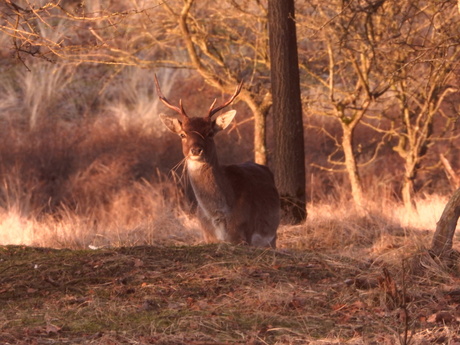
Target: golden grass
(103, 185)
(140, 218)
(149, 213)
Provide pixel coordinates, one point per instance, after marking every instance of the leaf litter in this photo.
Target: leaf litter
(219, 294)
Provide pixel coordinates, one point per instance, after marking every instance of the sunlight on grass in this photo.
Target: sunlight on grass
(71, 231)
(15, 229)
(142, 215)
(428, 211)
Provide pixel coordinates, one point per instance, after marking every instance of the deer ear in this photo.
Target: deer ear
(173, 124)
(223, 120)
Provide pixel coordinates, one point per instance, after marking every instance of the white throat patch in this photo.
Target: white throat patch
(194, 165)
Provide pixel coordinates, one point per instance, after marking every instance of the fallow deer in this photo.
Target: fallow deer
(236, 203)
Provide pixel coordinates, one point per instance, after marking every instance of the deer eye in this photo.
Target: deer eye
(182, 135)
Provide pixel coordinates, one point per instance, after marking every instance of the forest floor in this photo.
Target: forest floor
(222, 294)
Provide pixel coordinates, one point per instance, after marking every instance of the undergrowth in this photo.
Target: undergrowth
(101, 183)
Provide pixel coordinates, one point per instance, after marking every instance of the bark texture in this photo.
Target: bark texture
(445, 228)
(289, 157)
(352, 166)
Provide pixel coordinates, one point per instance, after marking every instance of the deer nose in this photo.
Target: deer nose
(196, 151)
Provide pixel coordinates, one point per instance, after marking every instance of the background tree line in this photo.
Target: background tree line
(379, 79)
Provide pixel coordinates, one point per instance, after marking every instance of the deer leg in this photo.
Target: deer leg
(207, 227)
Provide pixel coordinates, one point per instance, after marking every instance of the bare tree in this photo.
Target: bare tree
(399, 49)
(418, 113)
(414, 141)
(89, 33)
(345, 70)
(426, 66)
(216, 47)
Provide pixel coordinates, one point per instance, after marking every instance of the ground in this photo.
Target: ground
(219, 294)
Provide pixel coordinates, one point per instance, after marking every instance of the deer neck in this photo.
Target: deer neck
(210, 186)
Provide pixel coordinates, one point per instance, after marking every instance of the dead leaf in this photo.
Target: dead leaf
(358, 305)
(431, 318)
(6, 288)
(445, 317)
(190, 302)
(138, 263)
(296, 303)
(364, 283)
(52, 329)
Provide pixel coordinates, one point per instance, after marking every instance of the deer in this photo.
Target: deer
(237, 204)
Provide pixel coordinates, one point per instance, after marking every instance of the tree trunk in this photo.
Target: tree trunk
(407, 194)
(445, 228)
(260, 111)
(408, 190)
(289, 157)
(260, 147)
(351, 166)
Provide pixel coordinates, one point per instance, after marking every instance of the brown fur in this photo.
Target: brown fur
(236, 203)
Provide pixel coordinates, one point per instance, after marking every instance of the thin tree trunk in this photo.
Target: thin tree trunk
(351, 166)
(260, 147)
(451, 174)
(408, 189)
(445, 228)
(260, 112)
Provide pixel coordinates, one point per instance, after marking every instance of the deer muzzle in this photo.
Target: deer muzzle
(196, 151)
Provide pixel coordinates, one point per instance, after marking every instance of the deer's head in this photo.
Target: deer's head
(197, 133)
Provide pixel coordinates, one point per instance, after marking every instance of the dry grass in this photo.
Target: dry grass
(85, 161)
(343, 277)
(106, 182)
(79, 170)
(89, 186)
(217, 294)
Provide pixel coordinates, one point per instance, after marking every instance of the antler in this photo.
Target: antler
(179, 109)
(213, 110)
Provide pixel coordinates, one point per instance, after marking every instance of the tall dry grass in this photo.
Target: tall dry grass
(106, 182)
(93, 184)
(385, 226)
(86, 162)
(78, 168)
